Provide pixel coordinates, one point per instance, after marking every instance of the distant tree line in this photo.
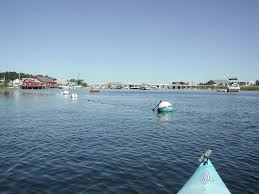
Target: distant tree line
(211, 82)
(257, 82)
(12, 75)
(78, 82)
(181, 83)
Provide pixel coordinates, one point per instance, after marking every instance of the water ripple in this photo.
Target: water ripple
(112, 142)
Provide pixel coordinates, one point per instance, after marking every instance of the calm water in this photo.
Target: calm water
(112, 142)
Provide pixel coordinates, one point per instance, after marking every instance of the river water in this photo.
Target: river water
(112, 142)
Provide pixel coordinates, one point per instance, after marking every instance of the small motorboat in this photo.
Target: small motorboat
(65, 92)
(145, 88)
(233, 85)
(222, 90)
(94, 90)
(205, 179)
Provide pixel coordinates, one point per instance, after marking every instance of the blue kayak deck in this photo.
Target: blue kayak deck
(205, 180)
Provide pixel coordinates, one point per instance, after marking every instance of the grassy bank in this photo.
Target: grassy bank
(250, 88)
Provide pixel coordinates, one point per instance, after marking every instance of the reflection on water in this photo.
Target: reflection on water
(9, 93)
(165, 116)
(35, 94)
(16, 93)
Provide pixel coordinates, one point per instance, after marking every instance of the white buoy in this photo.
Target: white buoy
(73, 95)
(164, 104)
(165, 107)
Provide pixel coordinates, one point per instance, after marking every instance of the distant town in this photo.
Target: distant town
(29, 81)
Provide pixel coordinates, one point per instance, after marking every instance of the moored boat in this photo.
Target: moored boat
(65, 92)
(135, 87)
(222, 90)
(145, 88)
(205, 179)
(94, 90)
(233, 85)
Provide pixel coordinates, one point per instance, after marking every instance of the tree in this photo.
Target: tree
(10, 76)
(211, 82)
(257, 82)
(84, 84)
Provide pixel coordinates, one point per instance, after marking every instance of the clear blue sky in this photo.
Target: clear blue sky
(131, 40)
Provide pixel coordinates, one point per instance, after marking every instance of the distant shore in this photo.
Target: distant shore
(250, 88)
(202, 87)
(243, 88)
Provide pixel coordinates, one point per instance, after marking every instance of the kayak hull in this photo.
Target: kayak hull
(205, 180)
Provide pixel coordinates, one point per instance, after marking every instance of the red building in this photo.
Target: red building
(47, 82)
(38, 83)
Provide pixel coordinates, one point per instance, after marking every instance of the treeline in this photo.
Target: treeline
(12, 75)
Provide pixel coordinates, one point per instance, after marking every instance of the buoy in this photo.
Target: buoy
(165, 107)
(73, 95)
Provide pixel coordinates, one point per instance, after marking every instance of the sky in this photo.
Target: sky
(147, 41)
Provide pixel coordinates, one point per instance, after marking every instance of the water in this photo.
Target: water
(112, 142)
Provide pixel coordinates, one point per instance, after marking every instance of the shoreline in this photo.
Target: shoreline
(199, 87)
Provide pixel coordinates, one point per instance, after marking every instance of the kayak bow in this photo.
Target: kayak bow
(205, 180)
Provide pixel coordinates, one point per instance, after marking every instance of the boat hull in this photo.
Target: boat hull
(222, 90)
(93, 91)
(233, 90)
(205, 180)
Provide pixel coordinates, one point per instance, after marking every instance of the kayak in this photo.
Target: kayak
(205, 180)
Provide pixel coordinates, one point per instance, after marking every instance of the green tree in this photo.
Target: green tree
(211, 82)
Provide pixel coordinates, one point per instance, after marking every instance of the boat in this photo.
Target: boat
(64, 87)
(164, 107)
(145, 88)
(65, 92)
(135, 87)
(205, 179)
(94, 90)
(154, 87)
(222, 90)
(77, 87)
(233, 85)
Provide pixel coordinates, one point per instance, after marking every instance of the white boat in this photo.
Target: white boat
(77, 87)
(65, 92)
(222, 90)
(233, 85)
(64, 87)
(135, 87)
(145, 88)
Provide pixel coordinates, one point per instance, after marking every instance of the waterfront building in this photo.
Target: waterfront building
(38, 83)
(47, 82)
